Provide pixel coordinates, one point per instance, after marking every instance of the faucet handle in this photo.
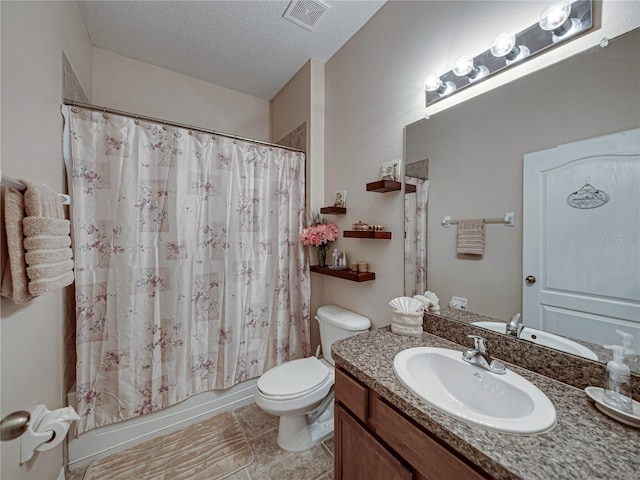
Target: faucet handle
(480, 344)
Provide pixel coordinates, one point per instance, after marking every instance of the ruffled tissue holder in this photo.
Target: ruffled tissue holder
(407, 323)
(407, 315)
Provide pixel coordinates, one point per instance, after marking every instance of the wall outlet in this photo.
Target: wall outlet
(458, 303)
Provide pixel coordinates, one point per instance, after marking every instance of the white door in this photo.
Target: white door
(581, 252)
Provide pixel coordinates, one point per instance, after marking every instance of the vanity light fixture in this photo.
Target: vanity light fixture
(559, 22)
(464, 67)
(505, 46)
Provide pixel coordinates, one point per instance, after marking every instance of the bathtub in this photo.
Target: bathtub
(103, 441)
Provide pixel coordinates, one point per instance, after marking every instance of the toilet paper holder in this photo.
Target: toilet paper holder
(45, 429)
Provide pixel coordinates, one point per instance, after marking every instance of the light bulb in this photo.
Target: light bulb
(555, 18)
(504, 45)
(464, 66)
(554, 15)
(432, 83)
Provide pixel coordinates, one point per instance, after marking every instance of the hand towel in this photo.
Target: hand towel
(47, 240)
(471, 236)
(15, 281)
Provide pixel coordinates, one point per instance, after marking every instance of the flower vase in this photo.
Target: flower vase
(322, 255)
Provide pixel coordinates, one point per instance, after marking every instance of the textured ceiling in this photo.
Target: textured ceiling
(244, 45)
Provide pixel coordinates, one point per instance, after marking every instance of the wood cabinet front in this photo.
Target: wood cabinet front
(373, 440)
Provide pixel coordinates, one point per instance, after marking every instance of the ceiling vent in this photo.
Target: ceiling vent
(306, 13)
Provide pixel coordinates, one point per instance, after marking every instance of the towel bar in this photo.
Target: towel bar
(509, 220)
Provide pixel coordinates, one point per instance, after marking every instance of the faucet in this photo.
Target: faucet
(515, 326)
(480, 356)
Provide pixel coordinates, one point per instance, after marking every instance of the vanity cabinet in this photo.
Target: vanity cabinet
(373, 440)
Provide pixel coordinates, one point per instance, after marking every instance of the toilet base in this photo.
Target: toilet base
(295, 434)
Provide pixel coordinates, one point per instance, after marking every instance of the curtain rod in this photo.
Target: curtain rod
(73, 103)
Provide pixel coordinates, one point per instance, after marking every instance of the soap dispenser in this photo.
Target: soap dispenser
(617, 378)
(630, 356)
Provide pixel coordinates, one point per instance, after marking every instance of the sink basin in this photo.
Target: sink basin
(543, 338)
(506, 403)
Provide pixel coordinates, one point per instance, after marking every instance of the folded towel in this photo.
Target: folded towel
(14, 280)
(48, 255)
(471, 236)
(34, 226)
(41, 271)
(44, 242)
(47, 240)
(38, 287)
(42, 201)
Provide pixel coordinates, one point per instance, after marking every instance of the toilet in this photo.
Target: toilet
(300, 392)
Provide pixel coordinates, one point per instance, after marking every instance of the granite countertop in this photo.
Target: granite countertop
(584, 443)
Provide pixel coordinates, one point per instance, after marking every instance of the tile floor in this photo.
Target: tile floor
(271, 462)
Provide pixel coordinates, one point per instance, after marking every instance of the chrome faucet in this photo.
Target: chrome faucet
(479, 355)
(515, 326)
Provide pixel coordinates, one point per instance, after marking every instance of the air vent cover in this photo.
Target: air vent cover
(306, 13)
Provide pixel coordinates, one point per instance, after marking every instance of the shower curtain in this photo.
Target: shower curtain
(189, 272)
(415, 242)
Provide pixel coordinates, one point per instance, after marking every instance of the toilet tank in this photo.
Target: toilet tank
(337, 323)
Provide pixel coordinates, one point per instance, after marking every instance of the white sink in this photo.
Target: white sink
(506, 403)
(543, 338)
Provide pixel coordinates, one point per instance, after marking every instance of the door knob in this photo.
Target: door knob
(530, 279)
(14, 425)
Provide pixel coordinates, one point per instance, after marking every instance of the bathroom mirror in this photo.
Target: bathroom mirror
(475, 156)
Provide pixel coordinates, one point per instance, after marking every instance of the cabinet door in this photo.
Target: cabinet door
(426, 455)
(359, 456)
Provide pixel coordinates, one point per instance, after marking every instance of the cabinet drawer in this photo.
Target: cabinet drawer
(426, 455)
(352, 394)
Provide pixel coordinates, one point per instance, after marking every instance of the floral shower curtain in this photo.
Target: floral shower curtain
(189, 272)
(415, 242)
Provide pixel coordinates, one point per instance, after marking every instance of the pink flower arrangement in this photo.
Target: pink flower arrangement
(319, 234)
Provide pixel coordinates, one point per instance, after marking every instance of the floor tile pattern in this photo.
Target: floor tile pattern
(271, 462)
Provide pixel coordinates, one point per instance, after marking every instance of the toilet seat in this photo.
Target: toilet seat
(295, 379)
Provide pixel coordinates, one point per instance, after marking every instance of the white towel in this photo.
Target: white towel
(471, 236)
(15, 281)
(47, 240)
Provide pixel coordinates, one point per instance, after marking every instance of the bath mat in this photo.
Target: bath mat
(209, 450)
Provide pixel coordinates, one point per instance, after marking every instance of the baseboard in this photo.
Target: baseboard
(103, 441)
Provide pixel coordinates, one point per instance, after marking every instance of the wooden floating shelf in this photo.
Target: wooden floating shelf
(345, 274)
(333, 210)
(382, 186)
(380, 235)
(408, 188)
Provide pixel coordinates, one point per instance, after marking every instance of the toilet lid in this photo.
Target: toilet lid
(296, 376)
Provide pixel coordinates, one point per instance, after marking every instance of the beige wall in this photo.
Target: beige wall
(125, 84)
(34, 34)
(290, 106)
(301, 100)
(374, 88)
